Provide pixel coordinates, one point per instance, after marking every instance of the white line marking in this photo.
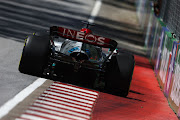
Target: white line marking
(8, 106)
(95, 11)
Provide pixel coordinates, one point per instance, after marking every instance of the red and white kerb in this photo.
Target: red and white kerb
(62, 102)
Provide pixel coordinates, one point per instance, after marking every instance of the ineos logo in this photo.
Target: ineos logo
(81, 36)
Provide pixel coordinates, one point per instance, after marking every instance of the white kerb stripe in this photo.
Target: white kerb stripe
(95, 11)
(67, 93)
(62, 110)
(41, 114)
(30, 117)
(73, 91)
(73, 98)
(8, 106)
(75, 88)
(73, 105)
(57, 113)
(21, 119)
(65, 107)
(66, 100)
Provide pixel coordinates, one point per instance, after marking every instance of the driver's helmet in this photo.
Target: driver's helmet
(85, 30)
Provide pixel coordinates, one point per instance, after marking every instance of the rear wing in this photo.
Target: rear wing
(83, 37)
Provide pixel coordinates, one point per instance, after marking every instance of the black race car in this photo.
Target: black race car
(78, 57)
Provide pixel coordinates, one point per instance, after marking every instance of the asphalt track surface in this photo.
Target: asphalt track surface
(116, 20)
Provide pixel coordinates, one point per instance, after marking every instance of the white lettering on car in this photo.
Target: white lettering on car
(80, 35)
(71, 33)
(101, 40)
(64, 32)
(90, 38)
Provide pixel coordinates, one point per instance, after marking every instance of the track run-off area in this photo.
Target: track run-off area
(28, 97)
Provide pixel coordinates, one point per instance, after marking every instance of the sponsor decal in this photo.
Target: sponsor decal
(73, 49)
(159, 50)
(166, 57)
(83, 37)
(175, 92)
(171, 68)
(164, 64)
(157, 42)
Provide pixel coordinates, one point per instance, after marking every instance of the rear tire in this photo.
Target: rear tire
(35, 55)
(119, 74)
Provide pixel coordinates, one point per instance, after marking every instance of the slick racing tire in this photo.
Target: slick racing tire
(119, 74)
(35, 55)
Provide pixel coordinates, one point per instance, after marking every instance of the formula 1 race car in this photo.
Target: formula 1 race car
(78, 57)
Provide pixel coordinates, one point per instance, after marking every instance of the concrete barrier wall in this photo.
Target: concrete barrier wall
(163, 51)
